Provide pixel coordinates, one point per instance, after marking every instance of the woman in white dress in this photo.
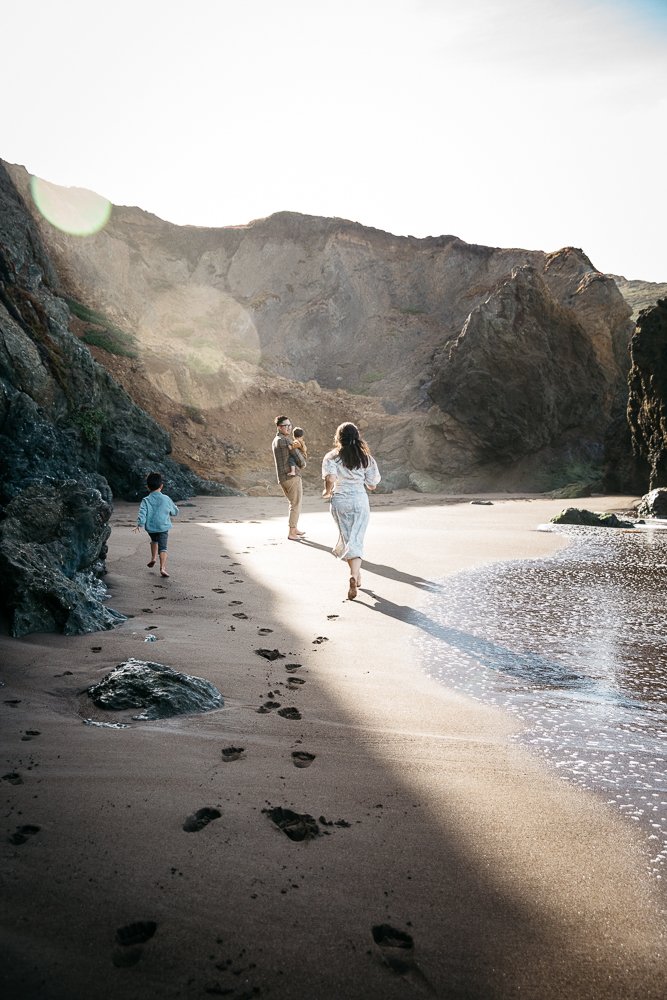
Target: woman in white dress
(348, 471)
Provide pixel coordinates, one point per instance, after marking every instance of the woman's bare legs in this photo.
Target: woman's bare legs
(355, 576)
(355, 568)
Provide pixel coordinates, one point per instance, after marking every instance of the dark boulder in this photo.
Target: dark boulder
(52, 548)
(156, 689)
(576, 515)
(647, 396)
(654, 504)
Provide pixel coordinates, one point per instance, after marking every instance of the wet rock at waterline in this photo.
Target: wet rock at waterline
(577, 515)
(156, 689)
(654, 504)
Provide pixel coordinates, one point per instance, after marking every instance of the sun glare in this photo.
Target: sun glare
(72, 210)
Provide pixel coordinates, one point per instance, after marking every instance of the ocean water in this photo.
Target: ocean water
(576, 647)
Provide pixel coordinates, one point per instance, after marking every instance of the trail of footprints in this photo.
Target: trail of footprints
(395, 946)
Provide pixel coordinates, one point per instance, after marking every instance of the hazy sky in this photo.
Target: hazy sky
(525, 123)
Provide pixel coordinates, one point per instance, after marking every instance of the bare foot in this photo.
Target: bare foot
(163, 572)
(151, 563)
(352, 591)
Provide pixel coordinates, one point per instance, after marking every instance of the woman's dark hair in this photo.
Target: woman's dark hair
(352, 449)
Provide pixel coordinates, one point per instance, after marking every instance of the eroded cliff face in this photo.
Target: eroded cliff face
(468, 367)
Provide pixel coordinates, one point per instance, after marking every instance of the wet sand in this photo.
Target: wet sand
(446, 862)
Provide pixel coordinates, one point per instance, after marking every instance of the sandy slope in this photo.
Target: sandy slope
(509, 882)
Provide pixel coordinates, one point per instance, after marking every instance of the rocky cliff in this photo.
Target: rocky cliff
(70, 437)
(647, 399)
(468, 367)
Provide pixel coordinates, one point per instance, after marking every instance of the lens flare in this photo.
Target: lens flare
(200, 345)
(72, 210)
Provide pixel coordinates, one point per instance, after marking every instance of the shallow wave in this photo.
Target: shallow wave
(574, 645)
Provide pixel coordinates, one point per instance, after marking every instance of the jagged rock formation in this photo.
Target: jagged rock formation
(468, 367)
(52, 548)
(70, 436)
(647, 400)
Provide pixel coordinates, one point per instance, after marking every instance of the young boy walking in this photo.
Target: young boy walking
(154, 516)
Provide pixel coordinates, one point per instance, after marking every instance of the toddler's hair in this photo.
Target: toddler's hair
(297, 432)
(154, 480)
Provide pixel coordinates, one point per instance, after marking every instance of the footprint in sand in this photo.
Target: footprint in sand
(200, 819)
(13, 778)
(268, 706)
(264, 631)
(239, 614)
(30, 734)
(232, 753)
(330, 618)
(218, 590)
(397, 950)
(270, 654)
(130, 939)
(235, 602)
(292, 667)
(320, 639)
(289, 713)
(295, 682)
(301, 758)
(296, 826)
(22, 833)
(137, 933)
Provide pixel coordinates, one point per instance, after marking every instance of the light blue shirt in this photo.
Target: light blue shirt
(154, 511)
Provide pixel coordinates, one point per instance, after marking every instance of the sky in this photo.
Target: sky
(515, 123)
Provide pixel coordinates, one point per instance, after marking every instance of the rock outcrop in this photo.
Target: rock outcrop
(331, 320)
(52, 548)
(647, 399)
(654, 504)
(590, 519)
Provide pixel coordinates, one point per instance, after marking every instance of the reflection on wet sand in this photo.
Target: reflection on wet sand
(574, 645)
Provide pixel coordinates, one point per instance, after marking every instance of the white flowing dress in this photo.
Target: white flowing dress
(350, 508)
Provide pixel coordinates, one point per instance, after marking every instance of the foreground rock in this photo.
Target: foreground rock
(156, 689)
(576, 515)
(52, 549)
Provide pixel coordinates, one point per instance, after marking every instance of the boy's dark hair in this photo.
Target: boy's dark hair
(154, 480)
(297, 432)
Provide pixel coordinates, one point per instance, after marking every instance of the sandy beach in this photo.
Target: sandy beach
(448, 861)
